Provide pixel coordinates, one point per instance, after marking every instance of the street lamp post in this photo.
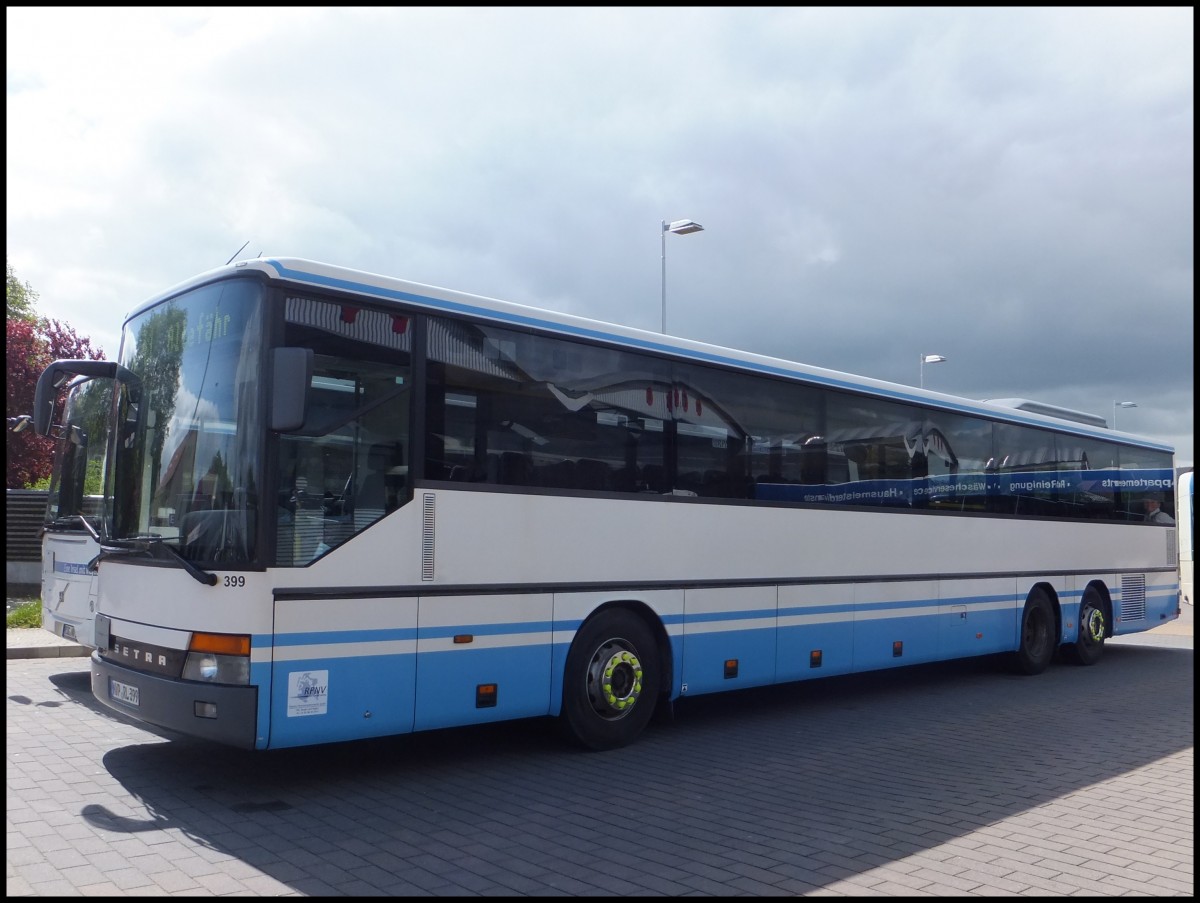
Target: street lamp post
(1121, 404)
(679, 227)
(929, 359)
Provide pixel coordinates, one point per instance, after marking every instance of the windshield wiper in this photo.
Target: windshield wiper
(87, 525)
(69, 520)
(153, 544)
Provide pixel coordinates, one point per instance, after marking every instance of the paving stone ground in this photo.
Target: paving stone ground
(955, 779)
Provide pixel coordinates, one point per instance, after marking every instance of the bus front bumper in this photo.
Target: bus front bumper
(223, 714)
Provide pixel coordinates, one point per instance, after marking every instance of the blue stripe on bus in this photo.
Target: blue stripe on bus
(835, 609)
(976, 600)
(370, 635)
(849, 610)
(899, 605)
(709, 617)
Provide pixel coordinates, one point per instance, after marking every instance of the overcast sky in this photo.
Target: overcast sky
(1010, 188)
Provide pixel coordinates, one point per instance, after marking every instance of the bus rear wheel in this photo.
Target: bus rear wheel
(1037, 635)
(1093, 628)
(611, 680)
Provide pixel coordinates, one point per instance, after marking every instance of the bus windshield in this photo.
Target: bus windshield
(188, 455)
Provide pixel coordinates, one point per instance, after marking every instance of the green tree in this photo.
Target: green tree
(19, 297)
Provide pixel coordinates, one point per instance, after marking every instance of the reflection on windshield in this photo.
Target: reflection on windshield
(347, 466)
(77, 482)
(188, 455)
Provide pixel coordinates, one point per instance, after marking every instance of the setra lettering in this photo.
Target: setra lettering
(139, 655)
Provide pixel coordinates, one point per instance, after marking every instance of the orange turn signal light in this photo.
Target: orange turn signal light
(220, 643)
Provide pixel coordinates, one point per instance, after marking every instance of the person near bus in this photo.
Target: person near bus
(1155, 514)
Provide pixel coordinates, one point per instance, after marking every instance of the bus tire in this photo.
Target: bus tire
(611, 680)
(1093, 628)
(1038, 645)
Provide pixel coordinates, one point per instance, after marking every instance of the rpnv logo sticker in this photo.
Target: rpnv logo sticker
(308, 693)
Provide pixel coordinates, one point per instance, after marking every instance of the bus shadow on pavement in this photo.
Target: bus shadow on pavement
(76, 687)
(899, 761)
(72, 686)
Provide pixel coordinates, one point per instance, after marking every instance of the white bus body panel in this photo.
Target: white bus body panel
(68, 587)
(486, 538)
(136, 598)
(1185, 525)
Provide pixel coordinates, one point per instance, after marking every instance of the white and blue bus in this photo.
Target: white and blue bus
(340, 505)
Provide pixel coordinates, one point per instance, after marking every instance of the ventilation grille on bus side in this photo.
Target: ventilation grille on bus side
(1172, 549)
(1133, 597)
(427, 534)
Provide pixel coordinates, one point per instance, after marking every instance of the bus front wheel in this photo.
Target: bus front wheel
(1037, 634)
(1093, 628)
(611, 680)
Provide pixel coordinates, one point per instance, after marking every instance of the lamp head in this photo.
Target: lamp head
(683, 227)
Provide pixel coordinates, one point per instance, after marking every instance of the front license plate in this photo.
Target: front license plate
(123, 692)
(68, 632)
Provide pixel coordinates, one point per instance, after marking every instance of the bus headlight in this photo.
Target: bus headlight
(209, 667)
(218, 658)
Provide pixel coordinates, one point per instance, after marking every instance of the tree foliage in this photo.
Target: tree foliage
(31, 344)
(27, 354)
(19, 297)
